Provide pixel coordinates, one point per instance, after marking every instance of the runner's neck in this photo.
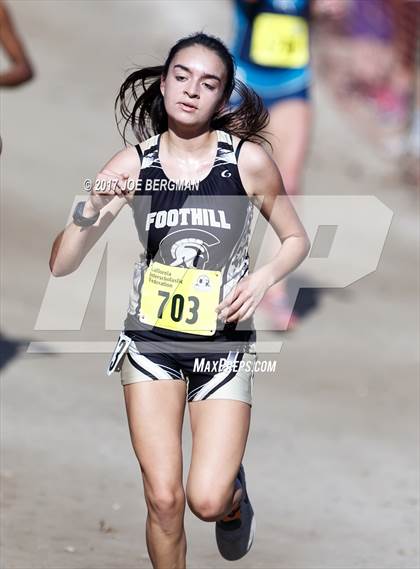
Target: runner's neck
(197, 148)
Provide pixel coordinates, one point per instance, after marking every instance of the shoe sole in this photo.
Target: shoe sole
(252, 529)
(251, 534)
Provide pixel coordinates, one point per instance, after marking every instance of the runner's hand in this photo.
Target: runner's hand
(108, 184)
(241, 302)
(333, 9)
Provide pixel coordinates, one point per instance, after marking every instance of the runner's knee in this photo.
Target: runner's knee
(166, 505)
(208, 506)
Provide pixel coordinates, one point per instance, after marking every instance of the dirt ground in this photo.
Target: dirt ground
(332, 460)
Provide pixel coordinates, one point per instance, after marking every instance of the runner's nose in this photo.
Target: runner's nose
(192, 91)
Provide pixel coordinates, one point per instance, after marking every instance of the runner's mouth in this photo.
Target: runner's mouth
(187, 107)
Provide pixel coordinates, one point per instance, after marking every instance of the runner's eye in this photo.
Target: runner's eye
(210, 87)
(179, 77)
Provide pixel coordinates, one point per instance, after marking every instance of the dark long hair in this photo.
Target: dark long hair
(146, 113)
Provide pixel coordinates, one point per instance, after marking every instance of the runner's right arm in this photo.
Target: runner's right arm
(71, 246)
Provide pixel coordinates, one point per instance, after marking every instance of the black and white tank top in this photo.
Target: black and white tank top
(201, 224)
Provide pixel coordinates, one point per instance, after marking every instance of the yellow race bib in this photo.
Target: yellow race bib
(279, 41)
(180, 299)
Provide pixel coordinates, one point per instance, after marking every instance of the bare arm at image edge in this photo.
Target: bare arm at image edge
(21, 69)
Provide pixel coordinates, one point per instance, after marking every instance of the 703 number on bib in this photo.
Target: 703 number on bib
(177, 307)
(180, 299)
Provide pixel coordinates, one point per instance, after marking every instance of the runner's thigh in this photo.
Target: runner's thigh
(219, 430)
(155, 412)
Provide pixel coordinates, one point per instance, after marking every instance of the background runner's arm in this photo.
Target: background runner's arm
(20, 69)
(263, 183)
(73, 243)
(333, 9)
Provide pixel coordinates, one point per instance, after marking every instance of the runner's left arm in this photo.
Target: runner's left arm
(263, 184)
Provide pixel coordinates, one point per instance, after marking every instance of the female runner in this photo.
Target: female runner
(197, 169)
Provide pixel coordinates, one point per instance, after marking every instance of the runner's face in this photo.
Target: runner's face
(193, 88)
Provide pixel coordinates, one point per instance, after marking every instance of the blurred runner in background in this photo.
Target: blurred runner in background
(407, 46)
(369, 61)
(19, 72)
(272, 52)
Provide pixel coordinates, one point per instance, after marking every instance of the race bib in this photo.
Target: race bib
(279, 41)
(120, 350)
(180, 299)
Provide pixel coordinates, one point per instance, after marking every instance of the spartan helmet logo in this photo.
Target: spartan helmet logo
(190, 252)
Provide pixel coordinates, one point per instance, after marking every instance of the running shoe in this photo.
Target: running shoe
(235, 532)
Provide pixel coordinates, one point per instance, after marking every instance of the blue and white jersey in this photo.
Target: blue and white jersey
(271, 45)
